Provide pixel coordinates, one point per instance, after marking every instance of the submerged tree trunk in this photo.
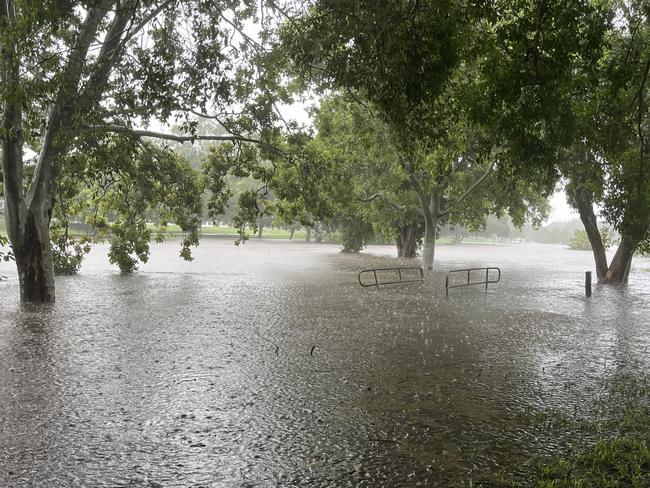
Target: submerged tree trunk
(34, 261)
(584, 203)
(407, 240)
(619, 269)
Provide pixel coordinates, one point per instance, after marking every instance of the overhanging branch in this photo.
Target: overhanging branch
(469, 191)
(382, 195)
(167, 136)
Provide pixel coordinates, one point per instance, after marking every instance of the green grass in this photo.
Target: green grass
(620, 457)
(268, 233)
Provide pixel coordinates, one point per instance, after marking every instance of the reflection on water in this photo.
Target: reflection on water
(268, 365)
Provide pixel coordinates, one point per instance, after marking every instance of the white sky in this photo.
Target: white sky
(560, 209)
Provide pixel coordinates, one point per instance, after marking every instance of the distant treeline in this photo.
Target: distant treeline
(502, 230)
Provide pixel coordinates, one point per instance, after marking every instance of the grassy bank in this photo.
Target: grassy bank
(619, 453)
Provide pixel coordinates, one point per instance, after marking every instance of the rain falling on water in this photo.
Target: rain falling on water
(268, 365)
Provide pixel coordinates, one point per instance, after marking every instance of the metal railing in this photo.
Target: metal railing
(469, 281)
(401, 278)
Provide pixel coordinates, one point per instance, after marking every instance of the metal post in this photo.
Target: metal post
(487, 274)
(588, 283)
(468, 271)
(399, 270)
(447, 285)
(376, 282)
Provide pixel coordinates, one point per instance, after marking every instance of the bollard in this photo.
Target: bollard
(588, 283)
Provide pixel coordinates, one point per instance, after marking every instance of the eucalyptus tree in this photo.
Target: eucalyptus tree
(80, 80)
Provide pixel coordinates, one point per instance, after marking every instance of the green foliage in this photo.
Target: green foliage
(67, 252)
(580, 241)
(397, 55)
(5, 255)
(354, 234)
(117, 185)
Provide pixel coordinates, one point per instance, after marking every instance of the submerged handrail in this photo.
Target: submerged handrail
(469, 282)
(399, 274)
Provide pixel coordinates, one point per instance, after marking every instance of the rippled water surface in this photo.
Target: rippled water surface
(268, 365)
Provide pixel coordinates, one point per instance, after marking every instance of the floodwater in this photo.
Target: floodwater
(268, 365)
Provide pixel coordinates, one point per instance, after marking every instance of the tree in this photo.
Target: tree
(460, 86)
(392, 193)
(609, 164)
(77, 75)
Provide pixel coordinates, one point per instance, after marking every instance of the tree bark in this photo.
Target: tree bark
(34, 261)
(431, 215)
(429, 243)
(308, 236)
(619, 269)
(431, 212)
(584, 203)
(260, 230)
(407, 240)
(318, 233)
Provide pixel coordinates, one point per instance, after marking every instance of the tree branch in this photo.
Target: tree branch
(166, 136)
(11, 132)
(62, 108)
(386, 199)
(472, 187)
(108, 55)
(148, 18)
(246, 37)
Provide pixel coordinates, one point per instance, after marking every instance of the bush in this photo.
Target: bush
(580, 241)
(68, 252)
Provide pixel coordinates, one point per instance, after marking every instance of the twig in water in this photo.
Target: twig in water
(311, 353)
(277, 348)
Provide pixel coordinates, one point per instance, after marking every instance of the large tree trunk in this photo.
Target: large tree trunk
(34, 261)
(318, 237)
(584, 203)
(308, 236)
(407, 240)
(619, 269)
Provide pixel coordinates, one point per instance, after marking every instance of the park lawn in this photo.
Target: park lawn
(268, 233)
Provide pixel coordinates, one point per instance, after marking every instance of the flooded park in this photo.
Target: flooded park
(268, 365)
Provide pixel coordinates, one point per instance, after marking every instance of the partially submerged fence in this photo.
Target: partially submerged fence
(373, 277)
(468, 276)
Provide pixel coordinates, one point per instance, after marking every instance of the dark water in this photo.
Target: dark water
(267, 365)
